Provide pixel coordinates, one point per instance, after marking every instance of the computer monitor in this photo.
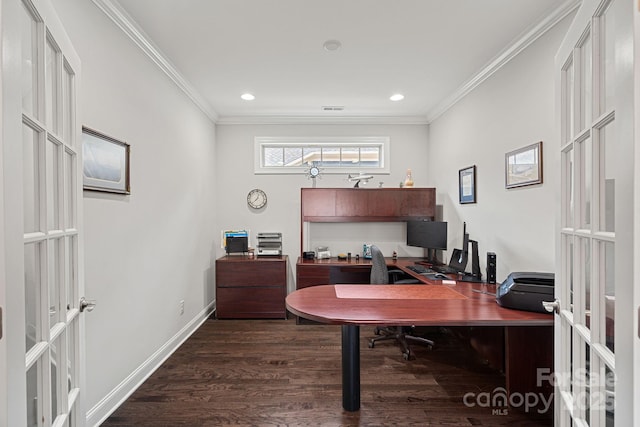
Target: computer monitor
(430, 235)
(459, 257)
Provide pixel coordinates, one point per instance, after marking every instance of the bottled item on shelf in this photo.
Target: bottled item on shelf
(408, 182)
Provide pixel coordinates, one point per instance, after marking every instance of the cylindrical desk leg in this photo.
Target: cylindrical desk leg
(351, 367)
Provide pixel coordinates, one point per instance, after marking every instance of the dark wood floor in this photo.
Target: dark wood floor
(277, 373)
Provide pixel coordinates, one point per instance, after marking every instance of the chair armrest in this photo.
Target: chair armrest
(399, 276)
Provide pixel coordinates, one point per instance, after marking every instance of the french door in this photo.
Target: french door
(595, 287)
(42, 197)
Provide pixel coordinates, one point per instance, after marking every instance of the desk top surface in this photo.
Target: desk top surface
(419, 305)
(333, 261)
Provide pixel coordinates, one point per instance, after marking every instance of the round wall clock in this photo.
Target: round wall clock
(314, 171)
(256, 198)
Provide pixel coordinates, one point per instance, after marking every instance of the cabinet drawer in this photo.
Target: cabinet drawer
(350, 274)
(256, 303)
(311, 275)
(250, 274)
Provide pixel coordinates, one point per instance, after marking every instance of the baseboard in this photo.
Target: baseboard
(100, 412)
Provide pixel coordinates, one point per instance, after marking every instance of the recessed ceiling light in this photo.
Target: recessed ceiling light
(397, 97)
(332, 45)
(247, 97)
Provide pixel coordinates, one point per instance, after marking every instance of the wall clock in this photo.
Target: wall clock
(314, 171)
(256, 198)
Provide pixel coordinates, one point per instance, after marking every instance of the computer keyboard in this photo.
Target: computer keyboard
(445, 269)
(420, 269)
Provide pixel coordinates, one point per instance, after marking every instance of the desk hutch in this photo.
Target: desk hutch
(355, 205)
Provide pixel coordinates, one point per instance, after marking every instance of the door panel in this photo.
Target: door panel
(41, 189)
(590, 93)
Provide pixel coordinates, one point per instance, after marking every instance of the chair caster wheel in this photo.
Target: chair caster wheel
(406, 356)
(376, 331)
(371, 344)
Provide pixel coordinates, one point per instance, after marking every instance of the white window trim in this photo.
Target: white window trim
(324, 141)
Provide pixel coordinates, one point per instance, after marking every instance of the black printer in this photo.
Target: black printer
(526, 291)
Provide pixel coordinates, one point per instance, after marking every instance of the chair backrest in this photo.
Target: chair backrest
(379, 271)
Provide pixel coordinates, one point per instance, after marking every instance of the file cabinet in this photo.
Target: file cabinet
(251, 288)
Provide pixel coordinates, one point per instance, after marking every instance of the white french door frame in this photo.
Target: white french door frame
(583, 240)
(50, 359)
(635, 279)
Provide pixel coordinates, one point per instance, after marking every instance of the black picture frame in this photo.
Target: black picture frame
(467, 185)
(105, 163)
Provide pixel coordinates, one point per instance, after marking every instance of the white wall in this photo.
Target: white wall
(512, 109)
(234, 150)
(145, 252)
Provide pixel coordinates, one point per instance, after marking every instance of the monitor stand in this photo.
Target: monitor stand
(432, 257)
(476, 275)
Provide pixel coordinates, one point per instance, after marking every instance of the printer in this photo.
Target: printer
(526, 291)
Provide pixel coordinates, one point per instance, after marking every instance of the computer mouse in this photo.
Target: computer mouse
(440, 276)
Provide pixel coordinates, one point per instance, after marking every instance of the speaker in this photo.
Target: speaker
(491, 267)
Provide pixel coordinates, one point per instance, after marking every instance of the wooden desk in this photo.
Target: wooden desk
(313, 272)
(420, 305)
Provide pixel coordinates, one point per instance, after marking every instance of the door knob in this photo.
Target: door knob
(86, 304)
(551, 306)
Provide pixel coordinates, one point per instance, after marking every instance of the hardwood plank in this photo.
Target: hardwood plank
(277, 373)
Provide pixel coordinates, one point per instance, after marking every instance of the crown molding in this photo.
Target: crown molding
(314, 120)
(121, 18)
(521, 43)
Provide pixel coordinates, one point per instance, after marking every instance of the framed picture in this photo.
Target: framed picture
(523, 166)
(105, 165)
(467, 184)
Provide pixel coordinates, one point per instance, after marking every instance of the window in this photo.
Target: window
(283, 155)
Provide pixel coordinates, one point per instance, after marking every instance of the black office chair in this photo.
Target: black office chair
(402, 334)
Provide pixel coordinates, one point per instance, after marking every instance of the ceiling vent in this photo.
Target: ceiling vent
(333, 108)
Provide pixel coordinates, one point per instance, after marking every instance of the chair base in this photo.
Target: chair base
(399, 334)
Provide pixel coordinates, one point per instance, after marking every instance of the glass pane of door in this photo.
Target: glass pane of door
(568, 188)
(51, 63)
(33, 403)
(32, 286)
(607, 172)
(585, 182)
(607, 65)
(568, 100)
(29, 37)
(586, 93)
(607, 268)
(56, 257)
(31, 178)
(53, 169)
(610, 400)
(585, 285)
(67, 102)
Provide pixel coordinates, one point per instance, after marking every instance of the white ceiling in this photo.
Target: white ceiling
(429, 50)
